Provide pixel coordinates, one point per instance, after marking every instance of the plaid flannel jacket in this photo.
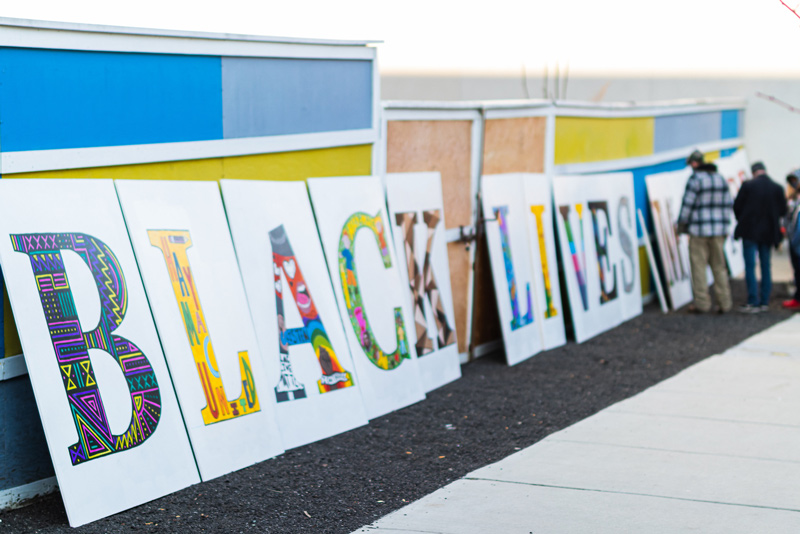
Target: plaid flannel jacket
(707, 205)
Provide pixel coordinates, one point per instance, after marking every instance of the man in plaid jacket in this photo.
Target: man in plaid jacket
(706, 215)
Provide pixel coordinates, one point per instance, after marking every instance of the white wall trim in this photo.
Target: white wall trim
(17, 497)
(80, 158)
(645, 161)
(622, 111)
(12, 367)
(412, 114)
(522, 108)
(516, 113)
(20, 33)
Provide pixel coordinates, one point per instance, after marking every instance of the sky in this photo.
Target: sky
(499, 37)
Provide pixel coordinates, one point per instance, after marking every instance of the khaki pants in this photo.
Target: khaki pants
(704, 251)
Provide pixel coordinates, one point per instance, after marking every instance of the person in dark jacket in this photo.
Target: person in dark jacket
(758, 207)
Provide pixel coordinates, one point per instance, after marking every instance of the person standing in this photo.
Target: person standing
(758, 207)
(706, 216)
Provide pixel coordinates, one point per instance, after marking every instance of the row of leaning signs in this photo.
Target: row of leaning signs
(284, 313)
(316, 346)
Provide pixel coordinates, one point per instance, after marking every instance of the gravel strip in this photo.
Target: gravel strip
(350, 480)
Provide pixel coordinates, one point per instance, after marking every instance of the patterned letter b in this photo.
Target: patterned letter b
(72, 345)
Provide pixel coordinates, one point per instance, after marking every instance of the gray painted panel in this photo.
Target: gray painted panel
(268, 96)
(677, 131)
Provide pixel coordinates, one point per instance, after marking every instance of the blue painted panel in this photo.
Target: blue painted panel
(68, 99)
(2, 323)
(729, 124)
(24, 457)
(640, 187)
(678, 131)
(727, 152)
(267, 96)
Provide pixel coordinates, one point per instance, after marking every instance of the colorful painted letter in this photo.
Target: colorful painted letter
(501, 213)
(578, 263)
(601, 245)
(426, 279)
(334, 376)
(72, 345)
(550, 310)
(352, 292)
(173, 244)
(626, 242)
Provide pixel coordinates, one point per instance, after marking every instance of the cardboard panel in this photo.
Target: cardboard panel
(356, 237)
(111, 419)
(514, 145)
(444, 147)
(188, 264)
(308, 362)
(417, 218)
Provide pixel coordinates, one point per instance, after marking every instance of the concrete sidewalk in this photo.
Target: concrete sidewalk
(714, 449)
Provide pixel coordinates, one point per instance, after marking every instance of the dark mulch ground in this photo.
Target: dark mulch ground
(342, 483)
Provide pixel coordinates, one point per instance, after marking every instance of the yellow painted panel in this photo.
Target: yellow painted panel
(644, 271)
(339, 161)
(712, 156)
(583, 140)
(10, 335)
(196, 169)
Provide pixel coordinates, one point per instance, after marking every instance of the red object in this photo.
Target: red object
(791, 304)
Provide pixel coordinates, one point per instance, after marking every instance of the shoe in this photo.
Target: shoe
(749, 308)
(763, 308)
(694, 309)
(791, 304)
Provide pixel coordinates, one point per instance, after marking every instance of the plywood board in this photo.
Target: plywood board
(514, 145)
(188, 264)
(107, 405)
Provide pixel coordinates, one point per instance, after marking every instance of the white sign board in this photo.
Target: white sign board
(665, 191)
(736, 169)
(299, 329)
(110, 416)
(541, 236)
(357, 241)
(506, 213)
(416, 213)
(597, 237)
(186, 257)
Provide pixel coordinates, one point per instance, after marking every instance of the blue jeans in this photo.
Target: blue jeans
(764, 251)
